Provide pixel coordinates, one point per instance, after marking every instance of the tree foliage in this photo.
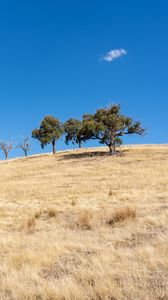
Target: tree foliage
(108, 126)
(50, 131)
(74, 132)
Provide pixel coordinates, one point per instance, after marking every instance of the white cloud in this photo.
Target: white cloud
(113, 54)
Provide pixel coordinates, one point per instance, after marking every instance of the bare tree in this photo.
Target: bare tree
(25, 146)
(6, 147)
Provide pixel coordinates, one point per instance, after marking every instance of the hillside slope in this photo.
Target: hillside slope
(84, 225)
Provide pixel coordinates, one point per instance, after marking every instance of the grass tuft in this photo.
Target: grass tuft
(52, 212)
(122, 214)
(30, 224)
(85, 220)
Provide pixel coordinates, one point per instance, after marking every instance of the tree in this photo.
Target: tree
(25, 146)
(108, 126)
(6, 148)
(74, 132)
(49, 132)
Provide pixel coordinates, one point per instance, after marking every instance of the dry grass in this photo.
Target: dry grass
(83, 225)
(52, 212)
(29, 224)
(122, 214)
(85, 219)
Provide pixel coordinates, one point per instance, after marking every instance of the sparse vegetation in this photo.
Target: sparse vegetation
(25, 146)
(6, 148)
(107, 125)
(38, 214)
(99, 248)
(85, 219)
(52, 212)
(29, 224)
(122, 214)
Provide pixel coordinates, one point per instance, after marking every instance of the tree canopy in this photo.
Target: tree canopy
(74, 132)
(50, 131)
(108, 126)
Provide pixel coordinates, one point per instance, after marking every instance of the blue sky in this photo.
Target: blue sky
(51, 62)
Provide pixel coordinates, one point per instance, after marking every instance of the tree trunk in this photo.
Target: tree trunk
(112, 149)
(80, 144)
(6, 155)
(54, 146)
(25, 153)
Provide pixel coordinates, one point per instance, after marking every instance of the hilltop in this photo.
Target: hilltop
(85, 225)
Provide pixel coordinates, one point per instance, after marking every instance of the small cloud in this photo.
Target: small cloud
(113, 54)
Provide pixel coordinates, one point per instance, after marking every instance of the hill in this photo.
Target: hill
(85, 225)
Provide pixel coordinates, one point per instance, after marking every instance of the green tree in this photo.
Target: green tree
(108, 126)
(73, 129)
(49, 132)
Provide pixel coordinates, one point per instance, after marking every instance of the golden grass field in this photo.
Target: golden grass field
(84, 225)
